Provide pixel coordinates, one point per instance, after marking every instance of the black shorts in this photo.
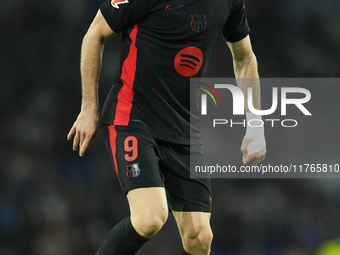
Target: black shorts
(142, 161)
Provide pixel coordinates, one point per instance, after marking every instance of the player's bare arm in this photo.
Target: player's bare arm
(86, 126)
(245, 66)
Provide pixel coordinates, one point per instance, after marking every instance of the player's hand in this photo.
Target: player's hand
(84, 130)
(252, 159)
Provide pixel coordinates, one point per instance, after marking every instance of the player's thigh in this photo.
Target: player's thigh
(149, 210)
(193, 224)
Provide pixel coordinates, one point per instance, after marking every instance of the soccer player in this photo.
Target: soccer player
(146, 116)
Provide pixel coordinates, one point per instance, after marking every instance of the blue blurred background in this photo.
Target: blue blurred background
(54, 203)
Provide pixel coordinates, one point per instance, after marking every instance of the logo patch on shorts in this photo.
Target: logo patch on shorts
(210, 200)
(133, 170)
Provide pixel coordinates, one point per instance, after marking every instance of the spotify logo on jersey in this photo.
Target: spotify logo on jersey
(188, 61)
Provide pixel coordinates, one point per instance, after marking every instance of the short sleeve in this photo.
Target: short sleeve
(124, 14)
(236, 27)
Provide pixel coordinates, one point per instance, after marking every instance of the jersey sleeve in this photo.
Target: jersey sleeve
(124, 14)
(236, 27)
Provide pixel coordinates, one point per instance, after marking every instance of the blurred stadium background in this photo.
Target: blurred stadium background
(54, 203)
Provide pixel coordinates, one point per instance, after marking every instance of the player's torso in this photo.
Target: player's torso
(172, 44)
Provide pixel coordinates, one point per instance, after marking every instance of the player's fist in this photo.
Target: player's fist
(84, 131)
(254, 158)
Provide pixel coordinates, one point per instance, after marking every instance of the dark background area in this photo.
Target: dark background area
(53, 202)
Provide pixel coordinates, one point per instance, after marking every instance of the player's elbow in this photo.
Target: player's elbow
(246, 62)
(247, 59)
(252, 58)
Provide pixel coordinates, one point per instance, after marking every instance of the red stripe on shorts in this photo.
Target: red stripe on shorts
(113, 136)
(125, 95)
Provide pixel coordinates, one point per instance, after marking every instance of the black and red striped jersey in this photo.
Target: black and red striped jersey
(164, 44)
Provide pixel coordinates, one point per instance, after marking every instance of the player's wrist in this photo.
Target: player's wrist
(255, 127)
(255, 132)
